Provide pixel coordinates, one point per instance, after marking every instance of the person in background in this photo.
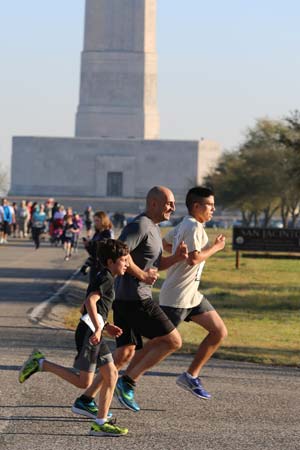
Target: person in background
(1, 223)
(77, 220)
(22, 216)
(7, 218)
(88, 221)
(38, 223)
(14, 225)
(68, 236)
(48, 210)
(103, 230)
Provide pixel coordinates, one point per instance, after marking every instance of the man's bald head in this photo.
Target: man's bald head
(157, 193)
(160, 203)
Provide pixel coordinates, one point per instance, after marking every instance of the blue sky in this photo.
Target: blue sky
(222, 65)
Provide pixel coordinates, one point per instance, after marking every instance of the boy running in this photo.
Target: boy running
(179, 296)
(92, 350)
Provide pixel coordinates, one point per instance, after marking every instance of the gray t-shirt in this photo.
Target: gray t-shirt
(144, 241)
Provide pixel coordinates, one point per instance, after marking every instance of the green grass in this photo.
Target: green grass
(259, 303)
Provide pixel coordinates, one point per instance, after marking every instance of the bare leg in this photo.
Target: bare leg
(109, 377)
(217, 331)
(153, 352)
(81, 380)
(121, 356)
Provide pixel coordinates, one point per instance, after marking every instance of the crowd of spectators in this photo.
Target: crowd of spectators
(52, 222)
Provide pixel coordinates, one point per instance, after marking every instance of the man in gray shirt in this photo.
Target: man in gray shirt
(135, 312)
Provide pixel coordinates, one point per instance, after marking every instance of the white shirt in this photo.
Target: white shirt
(180, 289)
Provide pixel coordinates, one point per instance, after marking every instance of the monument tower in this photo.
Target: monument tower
(116, 152)
(118, 87)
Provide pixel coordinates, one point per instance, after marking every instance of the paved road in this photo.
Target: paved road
(253, 406)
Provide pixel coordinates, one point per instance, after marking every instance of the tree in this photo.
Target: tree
(256, 179)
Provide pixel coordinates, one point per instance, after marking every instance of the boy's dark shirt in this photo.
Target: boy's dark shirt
(103, 284)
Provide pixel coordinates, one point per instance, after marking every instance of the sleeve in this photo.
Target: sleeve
(133, 234)
(101, 284)
(95, 285)
(192, 236)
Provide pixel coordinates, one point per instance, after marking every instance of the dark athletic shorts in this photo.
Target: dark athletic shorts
(177, 315)
(6, 227)
(89, 357)
(140, 318)
(88, 225)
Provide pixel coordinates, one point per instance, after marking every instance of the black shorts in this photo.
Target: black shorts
(6, 227)
(140, 318)
(177, 315)
(89, 357)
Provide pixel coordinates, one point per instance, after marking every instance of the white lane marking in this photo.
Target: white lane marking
(38, 312)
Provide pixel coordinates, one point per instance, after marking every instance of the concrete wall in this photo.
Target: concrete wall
(78, 166)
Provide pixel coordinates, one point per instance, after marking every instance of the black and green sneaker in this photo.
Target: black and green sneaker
(107, 429)
(87, 409)
(30, 366)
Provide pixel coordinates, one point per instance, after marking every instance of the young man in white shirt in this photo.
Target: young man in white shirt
(179, 295)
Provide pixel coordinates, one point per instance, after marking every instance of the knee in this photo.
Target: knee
(85, 383)
(221, 332)
(123, 356)
(174, 340)
(110, 377)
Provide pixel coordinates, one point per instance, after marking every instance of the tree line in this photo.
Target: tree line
(262, 177)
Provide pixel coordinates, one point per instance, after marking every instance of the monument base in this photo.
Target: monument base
(93, 167)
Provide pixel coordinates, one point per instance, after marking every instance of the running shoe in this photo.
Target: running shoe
(30, 366)
(193, 385)
(87, 409)
(125, 395)
(107, 429)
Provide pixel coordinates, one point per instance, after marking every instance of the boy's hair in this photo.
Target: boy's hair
(110, 249)
(195, 194)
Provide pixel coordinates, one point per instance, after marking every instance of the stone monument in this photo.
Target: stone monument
(116, 151)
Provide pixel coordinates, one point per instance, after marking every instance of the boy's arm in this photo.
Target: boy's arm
(90, 304)
(113, 330)
(197, 257)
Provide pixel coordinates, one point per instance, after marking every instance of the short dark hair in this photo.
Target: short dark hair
(110, 249)
(195, 194)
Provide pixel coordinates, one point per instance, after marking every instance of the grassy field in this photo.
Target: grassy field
(259, 302)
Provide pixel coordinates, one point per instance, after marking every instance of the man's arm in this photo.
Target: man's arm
(132, 235)
(147, 276)
(181, 254)
(167, 246)
(197, 257)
